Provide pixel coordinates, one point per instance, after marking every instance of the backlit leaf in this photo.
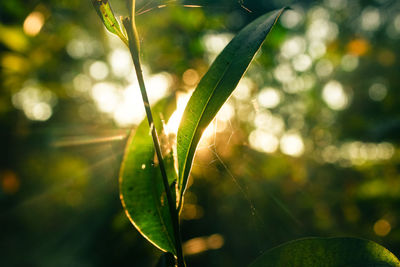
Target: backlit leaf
(328, 252)
(141, 187)
(215, 88)
(103, 9)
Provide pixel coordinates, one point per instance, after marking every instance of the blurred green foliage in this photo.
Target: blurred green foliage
(308, 146)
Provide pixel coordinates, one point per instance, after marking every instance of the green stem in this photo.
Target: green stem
(134, 49)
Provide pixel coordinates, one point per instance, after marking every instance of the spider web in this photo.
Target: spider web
(157, 4)
(257, 220)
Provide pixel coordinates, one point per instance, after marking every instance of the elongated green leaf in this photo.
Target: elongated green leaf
(103, 9)
(141, 187)
(328, 252)
(215, 88)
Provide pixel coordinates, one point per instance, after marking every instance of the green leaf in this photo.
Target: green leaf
(103, 9)
(215, 88)
(328, 252)
(141, 187)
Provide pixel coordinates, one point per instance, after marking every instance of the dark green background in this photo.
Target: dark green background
(59, 206)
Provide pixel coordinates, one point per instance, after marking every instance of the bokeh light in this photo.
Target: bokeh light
(33, 23)
(269, 97)
(36, 103)
(370, 19)
(263, 141)
(292, 144)
(121, 63)
(292, 18)
(382, 227)
(377, 91)
(98, 70)
(335, 96)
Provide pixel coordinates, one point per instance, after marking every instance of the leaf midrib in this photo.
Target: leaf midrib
(164, 226)
(201, 116)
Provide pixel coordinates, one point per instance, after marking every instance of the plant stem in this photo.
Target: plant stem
(134, 49)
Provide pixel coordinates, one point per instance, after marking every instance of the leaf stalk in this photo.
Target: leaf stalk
(134, 48)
